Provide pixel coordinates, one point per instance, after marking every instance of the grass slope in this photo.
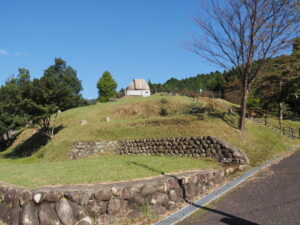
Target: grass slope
(131, 118)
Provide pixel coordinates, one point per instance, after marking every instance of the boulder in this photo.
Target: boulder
(85, 221)
(147, 190)
(25, 197)
(16, 214)
(159, 199)
(96, 208)
(64, 211)
(47, 215)
(30, 215)
(115, 206)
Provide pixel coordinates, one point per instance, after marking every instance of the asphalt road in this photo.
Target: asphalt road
(270, 197)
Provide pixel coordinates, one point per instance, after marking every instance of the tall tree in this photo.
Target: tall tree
(237, 33)
(12, 114)
(58, 89)
(106, 87)
(67, 76)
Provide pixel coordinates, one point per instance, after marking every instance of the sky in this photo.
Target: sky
(130, 38)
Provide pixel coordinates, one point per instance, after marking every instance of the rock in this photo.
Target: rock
(104, 219)
(128, 192)
(86, 196)
(25, 197)
(173, 183)
(30, 215)
(85, 221)
(174, 195)
(47, 215)
(95, 208)
(158, 209)
(162, 187)
(103, 195)
(74, 196)
(37, 198)
(139, 200)
(115, 191)
(115, 206)
(147, 190)
(133, 214)
(53, 196)
(107, 119)
(11, 197)
(64, 212)
(83, 122)
(159, 198)
(241, 167)
(78, 211)
(171, 205)
(16, 216)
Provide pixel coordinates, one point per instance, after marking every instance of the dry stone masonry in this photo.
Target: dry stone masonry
(183, 146)
(82, 149)
(103, 203)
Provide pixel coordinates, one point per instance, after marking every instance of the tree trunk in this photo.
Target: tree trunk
(243, 108)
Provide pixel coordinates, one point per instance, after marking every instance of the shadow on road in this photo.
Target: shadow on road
(228, 219)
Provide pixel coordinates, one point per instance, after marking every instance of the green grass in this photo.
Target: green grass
(103, 169)
(131, 118)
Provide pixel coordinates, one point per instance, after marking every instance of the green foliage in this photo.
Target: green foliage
(280, 83)
(23, 101)
(253, 102)
(58, 89)
(106, 87)
(214, 81)
(296, 47)
(12, 114)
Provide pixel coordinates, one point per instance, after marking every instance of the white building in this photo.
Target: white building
(138, 87)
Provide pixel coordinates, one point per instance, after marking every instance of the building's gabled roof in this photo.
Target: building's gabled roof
(138, 84)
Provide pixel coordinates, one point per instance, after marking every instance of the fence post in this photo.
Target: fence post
(299, 132)
(265, 120)
(283, 130)
(291, 133)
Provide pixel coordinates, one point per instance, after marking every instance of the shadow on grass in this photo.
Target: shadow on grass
(202, 112)
(31, 145)
(227, 219)
(6, 144)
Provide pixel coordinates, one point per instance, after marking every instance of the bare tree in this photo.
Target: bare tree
(243, 34)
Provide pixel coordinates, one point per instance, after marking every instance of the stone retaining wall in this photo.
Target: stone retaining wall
(82, 149)
(184, 146)
(103, 203)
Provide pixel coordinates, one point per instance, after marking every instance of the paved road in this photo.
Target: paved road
(270, 197)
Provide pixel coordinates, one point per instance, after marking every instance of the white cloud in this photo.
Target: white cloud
(3, 52)
(20, 53)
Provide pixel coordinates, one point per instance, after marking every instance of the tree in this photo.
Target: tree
(66, 76)
(58, 89)
(279, 84)
(237, 33)
(106, 87)
(12, 114)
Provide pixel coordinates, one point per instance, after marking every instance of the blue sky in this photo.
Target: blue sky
(130, 38)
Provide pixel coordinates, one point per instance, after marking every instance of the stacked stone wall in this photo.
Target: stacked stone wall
(186, 146)
(82, 149)
(103, 203)
(183, 146)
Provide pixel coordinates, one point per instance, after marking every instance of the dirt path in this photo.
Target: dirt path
(270, 197)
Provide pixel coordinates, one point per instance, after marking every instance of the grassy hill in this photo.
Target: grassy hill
(131, 118)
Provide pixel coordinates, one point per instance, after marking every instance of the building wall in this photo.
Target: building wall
(144, 93)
